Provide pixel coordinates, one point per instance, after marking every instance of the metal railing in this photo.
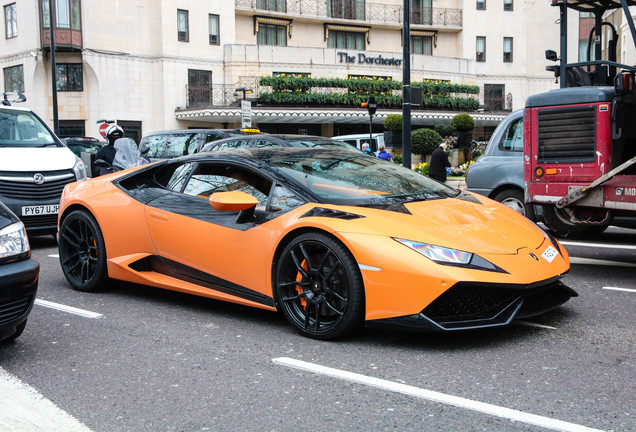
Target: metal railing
(220, 94)
(372, 12)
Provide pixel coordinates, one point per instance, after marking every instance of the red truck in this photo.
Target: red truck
(580, 140)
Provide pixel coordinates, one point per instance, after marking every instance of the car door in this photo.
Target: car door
(209, 249)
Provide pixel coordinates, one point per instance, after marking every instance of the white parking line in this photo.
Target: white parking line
(531, 324)
(26, 410)
(597, 245)
(54, 256)
(590, 261)
(481, 407)
(69, 309)
(620, 289)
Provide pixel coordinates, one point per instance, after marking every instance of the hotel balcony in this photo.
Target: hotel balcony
(340, 11)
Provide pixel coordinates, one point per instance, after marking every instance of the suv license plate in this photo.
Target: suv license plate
(40, 210)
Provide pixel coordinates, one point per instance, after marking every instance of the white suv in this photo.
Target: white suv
(34, 168)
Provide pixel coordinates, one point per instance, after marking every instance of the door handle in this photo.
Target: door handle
(158, 215)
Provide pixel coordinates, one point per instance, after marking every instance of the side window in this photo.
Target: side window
(180, 145)
(233, 144)
(155, 145)
(283, 199)
(212, 137)
(179, 177)
(264, 143)
(513, 138)
(211, 178)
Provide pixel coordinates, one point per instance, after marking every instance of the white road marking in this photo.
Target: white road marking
(620, 289)
(531, 324)
(590, 261)
(597, 245)
(54, 256)
(69, 309)
(26, 410)
(408, 390)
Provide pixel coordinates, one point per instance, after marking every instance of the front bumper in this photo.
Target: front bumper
(18, 287)
(35, 225)
(468, 306)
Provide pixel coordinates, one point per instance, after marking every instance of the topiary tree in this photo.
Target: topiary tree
(393, 122)
(425, 141)
(463, 123)
(445, 130)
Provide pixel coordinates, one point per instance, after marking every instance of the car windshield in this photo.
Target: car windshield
(23, 129)
(320, 142)
(344, 177)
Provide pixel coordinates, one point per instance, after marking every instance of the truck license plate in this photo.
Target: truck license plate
(36, 210)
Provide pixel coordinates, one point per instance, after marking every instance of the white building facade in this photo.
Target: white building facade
(174, 64)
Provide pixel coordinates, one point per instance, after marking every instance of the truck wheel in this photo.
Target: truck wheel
(558, 221)
(513, 198)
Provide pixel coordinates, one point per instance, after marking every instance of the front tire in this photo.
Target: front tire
(82, 251)
(319, 287)
(558, 221)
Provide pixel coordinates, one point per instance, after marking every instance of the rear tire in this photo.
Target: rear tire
(558, 221)
(82, 251)
(513, 198)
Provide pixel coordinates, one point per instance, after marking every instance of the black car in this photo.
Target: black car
(19, 274)
(174, 143)
(83, 144)
(275, 140)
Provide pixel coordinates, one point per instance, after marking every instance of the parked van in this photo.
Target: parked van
(174, 143)
(357, 140)
(34, 168)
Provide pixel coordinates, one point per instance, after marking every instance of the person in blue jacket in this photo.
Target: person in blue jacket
(385, 154)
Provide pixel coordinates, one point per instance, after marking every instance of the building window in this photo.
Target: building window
(583, 57)
(69, 77)
(272, 34)
(481, 49)
(347, 9)
(421, 12)
(346, 40)
(508, 5)
(271, 5)
(213, 24)
(14, 79)
(481, 4)
(507, 50)
(494, 97)
(422, 45)
(182, 25)
(10, 21)
(199, 88)
(72, 128)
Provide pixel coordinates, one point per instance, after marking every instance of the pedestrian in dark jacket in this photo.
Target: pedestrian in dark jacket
(439, 162)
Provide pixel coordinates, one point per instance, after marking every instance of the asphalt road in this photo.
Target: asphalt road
(152, 360)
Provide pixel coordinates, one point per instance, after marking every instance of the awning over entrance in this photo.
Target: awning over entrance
(329, 115)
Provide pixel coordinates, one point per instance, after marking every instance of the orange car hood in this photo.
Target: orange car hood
(489, 228)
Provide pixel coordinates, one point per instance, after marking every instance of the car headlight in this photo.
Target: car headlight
(79, 169)
(451, 257)
(13, 241)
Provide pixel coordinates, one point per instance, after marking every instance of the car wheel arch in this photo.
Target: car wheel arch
(288, 238)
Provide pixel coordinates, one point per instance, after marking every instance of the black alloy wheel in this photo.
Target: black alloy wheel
(82, 251)
(319, 287)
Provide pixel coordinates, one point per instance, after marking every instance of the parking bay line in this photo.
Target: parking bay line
(69, 309)
(433, 396)
(620, 289)
(597, 245)
(24, 409)
(590, 261)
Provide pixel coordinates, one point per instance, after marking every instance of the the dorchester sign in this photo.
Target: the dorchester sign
(344, 57)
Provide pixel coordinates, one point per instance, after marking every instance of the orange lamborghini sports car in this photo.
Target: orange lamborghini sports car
(331, 238)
